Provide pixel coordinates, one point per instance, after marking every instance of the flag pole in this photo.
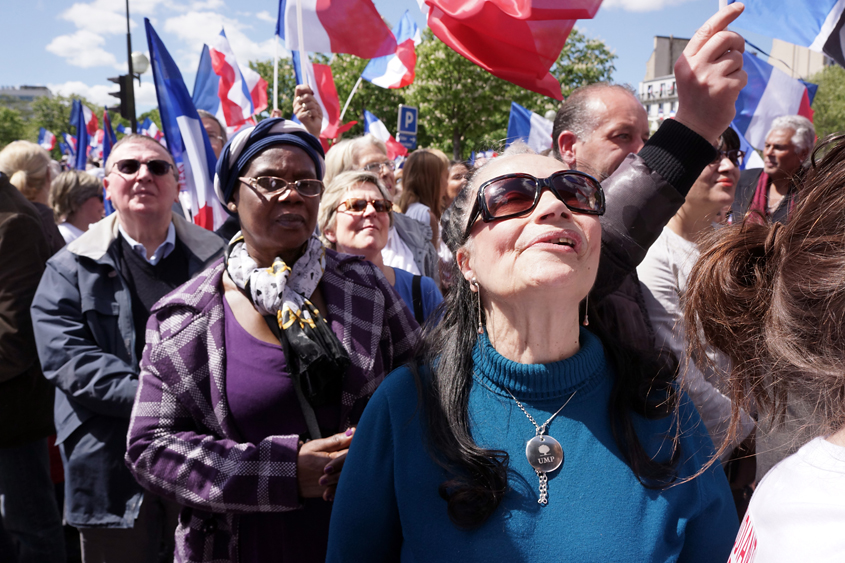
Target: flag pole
(275, 72)
(349, 99)
(301, 42)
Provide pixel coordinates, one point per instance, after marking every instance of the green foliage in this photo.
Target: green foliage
(287, 84)
(12, 127)
(462, 107)
(829, 103)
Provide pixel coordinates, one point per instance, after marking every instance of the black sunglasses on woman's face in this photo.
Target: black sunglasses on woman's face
(516, 195)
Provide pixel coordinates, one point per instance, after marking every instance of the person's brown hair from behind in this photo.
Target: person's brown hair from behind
(421, 179)
(772, 297)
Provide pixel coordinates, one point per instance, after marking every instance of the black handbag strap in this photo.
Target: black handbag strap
(416, 292)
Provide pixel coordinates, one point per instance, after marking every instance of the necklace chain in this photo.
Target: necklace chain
(540, 429)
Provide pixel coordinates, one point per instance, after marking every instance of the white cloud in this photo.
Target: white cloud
(83, 49)
(207, 4)
(266, 16)
(98, 17)
(641, 5)
(145, 95)
(198, 28)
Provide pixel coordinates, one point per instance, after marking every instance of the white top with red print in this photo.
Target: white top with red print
(797, 512)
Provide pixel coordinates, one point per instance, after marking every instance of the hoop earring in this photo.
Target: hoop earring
(586, 321)
(477, 291)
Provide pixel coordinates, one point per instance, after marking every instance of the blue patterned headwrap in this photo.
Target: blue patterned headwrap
(253, 140)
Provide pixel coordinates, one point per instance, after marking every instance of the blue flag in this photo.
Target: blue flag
(77, 119)
(186, 137)
(109, 139)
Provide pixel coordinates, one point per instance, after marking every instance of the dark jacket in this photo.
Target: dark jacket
(642, 195)
(745, 189)
(55, 240)
(86, 341)
(26, 398)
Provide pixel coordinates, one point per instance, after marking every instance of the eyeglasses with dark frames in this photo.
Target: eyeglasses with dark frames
(130, 166)
(270, 186)
(516, 195)
(736, 156)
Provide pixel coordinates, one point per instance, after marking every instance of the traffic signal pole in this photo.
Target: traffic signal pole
(130, 81)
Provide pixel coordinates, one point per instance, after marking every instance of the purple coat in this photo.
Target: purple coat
(183, 443)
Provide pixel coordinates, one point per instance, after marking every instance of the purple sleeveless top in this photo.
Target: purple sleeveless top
(263, 403)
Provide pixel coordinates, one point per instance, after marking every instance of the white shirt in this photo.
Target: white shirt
(419, 212)
(397, 254)
(663, 276)
(797, 512)
(70, 232)
(163, 250)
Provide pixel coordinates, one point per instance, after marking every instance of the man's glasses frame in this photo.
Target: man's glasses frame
(379, 167)
(130, 166)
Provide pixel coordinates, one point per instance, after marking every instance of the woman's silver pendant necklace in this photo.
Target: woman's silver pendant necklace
(544, 453)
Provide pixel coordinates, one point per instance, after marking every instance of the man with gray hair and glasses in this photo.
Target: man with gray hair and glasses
(770, 191)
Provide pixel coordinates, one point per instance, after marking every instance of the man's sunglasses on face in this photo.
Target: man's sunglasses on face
(130, 166)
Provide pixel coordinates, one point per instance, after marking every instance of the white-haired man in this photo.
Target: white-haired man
(89, 316)
(770, 191)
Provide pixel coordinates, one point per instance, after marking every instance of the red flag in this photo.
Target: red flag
(516, 40)
(330, 102)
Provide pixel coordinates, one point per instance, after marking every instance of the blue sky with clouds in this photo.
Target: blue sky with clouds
(73, 47)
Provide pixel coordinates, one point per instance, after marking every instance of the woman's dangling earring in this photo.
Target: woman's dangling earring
(586, 321)
(474, 284)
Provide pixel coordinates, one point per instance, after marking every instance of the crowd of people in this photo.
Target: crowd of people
(593, 354)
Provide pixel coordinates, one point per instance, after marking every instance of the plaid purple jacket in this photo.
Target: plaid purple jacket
(183, 444)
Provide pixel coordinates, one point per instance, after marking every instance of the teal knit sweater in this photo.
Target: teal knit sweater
(388, 507)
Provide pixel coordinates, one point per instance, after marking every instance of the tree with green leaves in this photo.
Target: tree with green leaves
(12, 127)
(287, 84)
(829, 103)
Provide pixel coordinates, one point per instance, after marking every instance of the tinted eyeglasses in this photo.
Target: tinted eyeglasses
(734, 155)
(131, 166)
(359, 205)
(270, 186)
(516, 195)
(378, 167)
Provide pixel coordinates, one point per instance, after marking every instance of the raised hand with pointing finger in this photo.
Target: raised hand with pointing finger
(709, 75)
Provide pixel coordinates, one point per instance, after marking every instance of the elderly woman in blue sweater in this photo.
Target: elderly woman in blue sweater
(538, 438)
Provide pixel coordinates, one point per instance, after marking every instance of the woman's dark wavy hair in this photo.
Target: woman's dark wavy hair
(772, 297)
(479, 477)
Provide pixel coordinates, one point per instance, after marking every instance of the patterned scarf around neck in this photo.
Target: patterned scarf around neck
(314, 354)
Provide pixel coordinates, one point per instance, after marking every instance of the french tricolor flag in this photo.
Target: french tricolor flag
(319, 78)
(376, 128)
(224, 89)
(770, 93)
(815, 24)
(46, 139)
(187, 140)
(335, 26)
(397, 70)
(533, 129)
